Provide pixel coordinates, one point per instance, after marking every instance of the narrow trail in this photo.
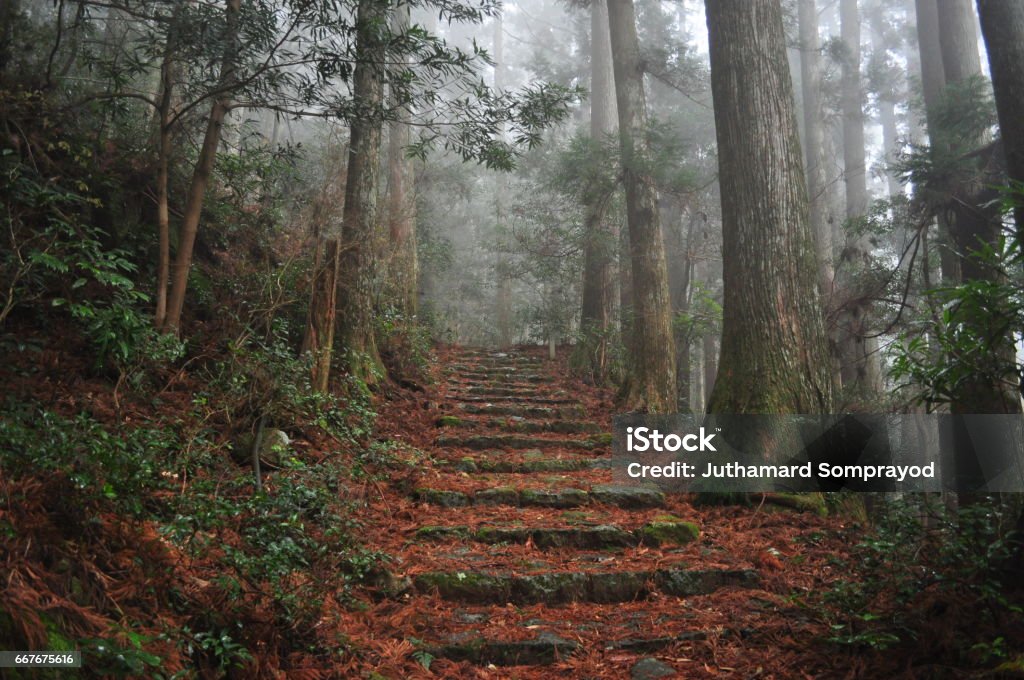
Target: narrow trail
(516, 557)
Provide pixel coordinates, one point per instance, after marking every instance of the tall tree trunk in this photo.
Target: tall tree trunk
(323, 303)
(933, 84)
(975, 220)
(818, 190)
(359, 258)
(859, 362)
(401, 202)
(203, 170)
(651, 383)
(503, 292)
(814, 136)
(10, 11)
(599, 237)
(1002, 24)
(168, 75)
(774, 356)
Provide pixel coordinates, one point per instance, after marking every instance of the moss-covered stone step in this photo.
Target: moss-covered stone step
(599, 537)
(492, 391)
(515, 399)
(577, 586)
(502, 375)
(556, 426)
(522, 386)
(545, 649)
(480, 442)
(516, 424)
(621, 497)
(525, 466)
(523, 411)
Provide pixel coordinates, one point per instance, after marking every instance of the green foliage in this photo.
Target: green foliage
(957, 556)
(267, 377)
(107, 656)
(969, 340)
(123, 466)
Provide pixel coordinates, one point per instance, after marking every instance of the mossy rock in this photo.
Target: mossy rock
(502, 495)
(442, 497)
(630, 497)
(556, 498)
(449, 421)
(669, 533)
(602, 439)
(467, 464)
(436, 533)
(804, 502)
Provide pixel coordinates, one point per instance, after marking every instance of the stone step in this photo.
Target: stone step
(523, 411)
(599, 537)
(545, 649)
(510, 384)
(609, 494)
(516, 424)
(551, 588)
(525, 466)
(492, 391)
(479, 442)
(501, 376)
(515, 399)
(557, 426)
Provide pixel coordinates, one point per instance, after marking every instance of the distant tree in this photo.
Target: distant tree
(858, 350)
(599, 236)
(402, 266)
(774, 356)
(650, 383)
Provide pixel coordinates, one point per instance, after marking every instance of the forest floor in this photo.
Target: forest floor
(490, 540)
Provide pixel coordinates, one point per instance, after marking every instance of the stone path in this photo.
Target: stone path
(519, 552)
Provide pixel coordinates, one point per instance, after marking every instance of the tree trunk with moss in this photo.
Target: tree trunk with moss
(651, 381)
(774, 357)
(359, 260)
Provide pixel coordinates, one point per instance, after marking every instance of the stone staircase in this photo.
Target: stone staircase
(519, 552)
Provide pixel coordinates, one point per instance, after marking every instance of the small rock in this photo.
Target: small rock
(649, 668)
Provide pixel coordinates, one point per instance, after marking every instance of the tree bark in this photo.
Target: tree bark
(933, 84)
(599, 237)
(650, 385)
(774, 356)
(1002, 24)
(401, 204)
(323, 301)
(203, 170)
(168, 74)
(814, 137)
(361, 241)
(859, 362)
(975, 220)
